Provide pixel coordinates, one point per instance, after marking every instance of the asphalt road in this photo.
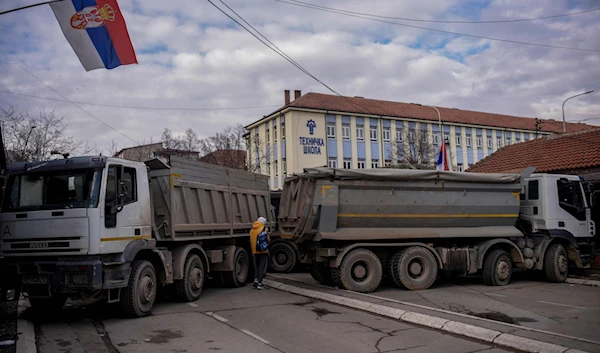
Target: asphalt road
(239, 320)
(563, 308)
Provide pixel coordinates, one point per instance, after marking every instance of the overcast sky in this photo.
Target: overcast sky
(191, 56)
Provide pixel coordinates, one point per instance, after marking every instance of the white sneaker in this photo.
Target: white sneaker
(260, 286)
(255, 284)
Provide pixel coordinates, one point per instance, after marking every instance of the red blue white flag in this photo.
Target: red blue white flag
(96, 31)
(442, 162)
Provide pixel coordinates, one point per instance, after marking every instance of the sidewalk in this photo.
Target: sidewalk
(508, 335)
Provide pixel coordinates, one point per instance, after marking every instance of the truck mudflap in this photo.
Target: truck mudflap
(45, 276)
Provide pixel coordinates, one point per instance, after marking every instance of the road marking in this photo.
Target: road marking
(215, 316)
(559, 304)
(255, 336)
(496, 295)
(193, 305)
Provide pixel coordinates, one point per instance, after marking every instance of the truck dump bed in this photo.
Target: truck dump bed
(194, 200)
(387, 204)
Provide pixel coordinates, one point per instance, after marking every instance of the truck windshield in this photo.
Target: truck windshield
(77, 188)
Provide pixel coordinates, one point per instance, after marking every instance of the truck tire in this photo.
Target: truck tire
(282, 257)
(361, 271)
(336, 278)
(497, 268)
(140, 294)
(556, 263)
(48, 305)
(190, 287)
(241, 267)
(414, 268)
(321, 273)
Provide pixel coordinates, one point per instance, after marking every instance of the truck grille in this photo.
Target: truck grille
(45, 246)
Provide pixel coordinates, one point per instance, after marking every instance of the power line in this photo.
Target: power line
(28, 6)
(593, 117)
(65, 98)
(443, 21)
(340, 12)
(277, 50)
(138, 107)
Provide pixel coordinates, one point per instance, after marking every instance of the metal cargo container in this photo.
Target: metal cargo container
(194, 200)
(388, 204)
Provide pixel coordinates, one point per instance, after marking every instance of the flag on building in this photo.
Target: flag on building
(96, 31)
(442, 162)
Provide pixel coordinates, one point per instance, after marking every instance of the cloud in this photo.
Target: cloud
(191, 55)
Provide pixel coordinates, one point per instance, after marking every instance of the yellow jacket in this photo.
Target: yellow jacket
(257, 227)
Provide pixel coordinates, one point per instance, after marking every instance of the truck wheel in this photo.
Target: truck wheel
(190, 287)
(414, 268)
(241, 266)
(140, 294)
(497, 268)
(282, 257)
(321, 273)
(556, 263)
(336, 278)
(48, 305)
(361, 271)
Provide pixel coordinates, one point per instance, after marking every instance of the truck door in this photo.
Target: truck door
(122, 212)
(572, 212)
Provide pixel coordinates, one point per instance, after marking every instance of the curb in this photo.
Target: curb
(585, 282)
(26, 341)
(434, 322)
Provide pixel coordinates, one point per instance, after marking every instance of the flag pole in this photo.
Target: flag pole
(28, 6)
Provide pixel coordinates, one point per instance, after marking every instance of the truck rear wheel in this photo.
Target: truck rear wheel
(361, 271)
(321, 273)
(241, 267)
(556, 263)
(414, 268)
(282, 257)
(497, 268)
(140, 294)
(190, 287)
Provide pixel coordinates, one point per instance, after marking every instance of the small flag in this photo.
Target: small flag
(443, 163)
(96, 31)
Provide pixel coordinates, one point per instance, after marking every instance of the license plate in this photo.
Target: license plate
(40, 279)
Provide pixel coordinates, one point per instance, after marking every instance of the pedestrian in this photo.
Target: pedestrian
(259, 242)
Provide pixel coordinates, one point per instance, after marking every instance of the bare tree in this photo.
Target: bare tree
(414, 150)
(31, 138)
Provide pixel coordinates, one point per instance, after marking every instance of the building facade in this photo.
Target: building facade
(357, 133)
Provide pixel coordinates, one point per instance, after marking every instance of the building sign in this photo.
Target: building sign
(311, 125)
(312, 145)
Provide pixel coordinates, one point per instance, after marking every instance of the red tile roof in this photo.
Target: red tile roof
(226, 158)
(553, 153)
(360, 105)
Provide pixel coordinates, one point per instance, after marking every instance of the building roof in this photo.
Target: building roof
(571, 151)
(359, 105)
(155, 144)
(226, 157)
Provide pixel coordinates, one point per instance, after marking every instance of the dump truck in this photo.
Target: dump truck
(354, 226)
(283, 254)
(120, 230)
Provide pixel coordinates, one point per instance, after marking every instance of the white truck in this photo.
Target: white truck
(98, 227)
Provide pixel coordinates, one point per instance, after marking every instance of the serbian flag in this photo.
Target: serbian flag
(443, 163)
(96, 31)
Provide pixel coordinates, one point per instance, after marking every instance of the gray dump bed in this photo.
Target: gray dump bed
(194, 200)
(387, 204)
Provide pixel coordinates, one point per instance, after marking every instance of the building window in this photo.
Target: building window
(275, 133)
(399, 135)
(518, 140)
(373, 133)
(458, 140)
(284, 168)
(436, 139)
(282, 130)
(268, 136)
(499, 141)
(347, 163)
(479, 142)
(446, 137)
(361, 164)
(275, 165)
(460, 167)
(331, 130)
(388, 163)
(375, 163)
(526, 137)
(411, 136)
(508, 141)
(332, 163)
(387, 134)
(489, 140)
(468, 140)
(360, 133)
(346, 132)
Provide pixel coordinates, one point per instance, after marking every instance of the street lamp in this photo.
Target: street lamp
(439, 119)
(563, 108)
